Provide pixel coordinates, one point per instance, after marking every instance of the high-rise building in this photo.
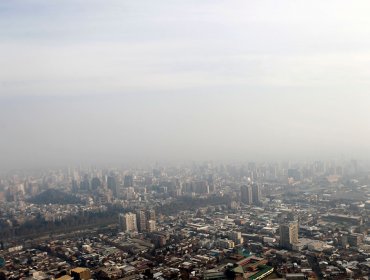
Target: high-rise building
(211, 183)
(246, 194)
(75, 186)
(355, 239)
(127, 222)
(85, 184)
(128, 181)
(141, 220)
(112, 184)
(236, 236)
(200, 187)
(95, 183)
(151, 226)
(288, 235)
(256, 194)
(150, 214)
(294, 174)
(225, 243)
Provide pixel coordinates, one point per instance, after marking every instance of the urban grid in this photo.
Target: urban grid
(198, 221)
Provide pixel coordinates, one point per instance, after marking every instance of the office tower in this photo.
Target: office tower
(121, 221)
(236, 236)
(157, 173)
(288, 235)
(95, 183)
(112, 184)
(343, 241)
(246, 194)
(75, 186)
(211, 183)
(256, 194)
(127, 222)
(150, 214)
(294, 173)
(141, 220)
(200, 187)
(151, 226)
(128, 181)
(85, 184)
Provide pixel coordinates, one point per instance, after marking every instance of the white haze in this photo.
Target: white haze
(116, 81)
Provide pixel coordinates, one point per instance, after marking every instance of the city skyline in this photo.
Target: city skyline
(190, 140)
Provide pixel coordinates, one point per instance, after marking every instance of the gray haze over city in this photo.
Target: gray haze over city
(111, 81)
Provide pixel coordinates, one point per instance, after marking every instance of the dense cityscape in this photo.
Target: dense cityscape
(184, 140)
(282, 220)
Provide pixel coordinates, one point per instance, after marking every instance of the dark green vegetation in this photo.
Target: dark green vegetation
(54, 196)
(38, 226)
(189, 203)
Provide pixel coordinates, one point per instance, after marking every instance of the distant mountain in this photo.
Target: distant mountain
(53, 196)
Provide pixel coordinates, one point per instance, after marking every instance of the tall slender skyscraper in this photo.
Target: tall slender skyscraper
(141, 220)
(256, 194)
(151, 226)
(95, 183)
(246, 194)
(75, 187)
(288, 235)
(128, 181)
(85, 184)
(112, 184)
(150, 214)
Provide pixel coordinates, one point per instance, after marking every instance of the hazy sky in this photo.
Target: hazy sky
(110, 81)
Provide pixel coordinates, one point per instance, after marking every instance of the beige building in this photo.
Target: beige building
(288, 235)
(141, 220)
(127, 222)
(81, 273)
(151, 226)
